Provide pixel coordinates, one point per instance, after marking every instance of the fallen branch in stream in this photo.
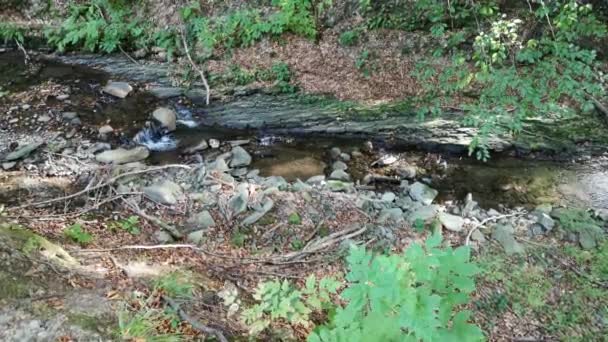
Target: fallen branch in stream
(99, 186)
(25, 54)
(193, 322)
(489, 219)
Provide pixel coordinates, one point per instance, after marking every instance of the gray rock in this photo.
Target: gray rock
(166, 92)
(219, 165)
(23, 152)
(240, 157)
(425, 213)
(202, 145)
(253, 218)
(123, 156)
(44, 118)
(340, 186)
(196, 237)
(166, 117)
(162, 236)
(451, 222)
(545, 221)
(214, 143)
(299, 186)
(478, 236)
(68, 116)
(404, 202)
(62, 97)
(335, 152)
(339, 175)
(469, 206)
(544, 208)
(316, 180)
(345, 157)
(385, 160)
(406, 171)
(238, 203)
(356, 154)
(166, 192)
(202, 220)
(206, 198)
(8, 165)
(422, 193)
(240, 172)
(536, 229)
(393, 214)
(118, 89)
(105, 129)
(388, 197)
(274, 182)
(503, 233)
(339, 165)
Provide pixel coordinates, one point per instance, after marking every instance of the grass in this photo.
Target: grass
(540, 289)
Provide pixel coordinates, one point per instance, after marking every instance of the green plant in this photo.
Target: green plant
(362, 63)
(130, 225)
(175, 284)
(10, 32)
(282, 75)
(294, 218)
(142, 326)
(32, 244)
(349, 38)
(238, 239)
(77, 234)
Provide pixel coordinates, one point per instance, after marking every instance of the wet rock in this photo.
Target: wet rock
(118, 89)
(8, 165)
(123, 156)
(166, 192)
(340, 175)
(339, 165)
(240, 157)
(44, 118)
(340, 186)
(451, 222)
(335, 152)
(166, 117)
(23, 152)
(425, 213)
(422, 193)
(198, 96)
(166, 92)
(201, 146)
(503, 233)
(105, 130)
(214, 143)
(68, 116)
(99, 147)
(265, 208)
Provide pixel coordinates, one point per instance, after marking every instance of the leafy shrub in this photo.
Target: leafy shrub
(10, 32)
(130, 225)
(415, 295)
(349, 38)
(77, 234)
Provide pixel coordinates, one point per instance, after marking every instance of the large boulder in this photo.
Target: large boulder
(166, 117)
(240, 157)
(118, 89)
(123, 156)
(23, 151)
(165, 192)
(451, 222)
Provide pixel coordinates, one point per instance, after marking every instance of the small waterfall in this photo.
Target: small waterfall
(155, 138)
(184, 117)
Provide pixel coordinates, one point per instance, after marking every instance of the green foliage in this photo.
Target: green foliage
(282, 75)
(142, 326)
(238, 239)
(101, 25)
(294, 218)
(77, 234)
(175, 285)
(362, 63)
(349, 38)
(130, 225)
(10, 32)
(412, 296)
(32, 244)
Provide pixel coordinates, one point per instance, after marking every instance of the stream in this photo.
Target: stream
(503, 181)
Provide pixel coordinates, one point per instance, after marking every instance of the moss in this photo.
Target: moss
(13, 286)
(90, 323)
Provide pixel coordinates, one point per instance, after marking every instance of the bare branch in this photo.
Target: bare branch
(195, 67)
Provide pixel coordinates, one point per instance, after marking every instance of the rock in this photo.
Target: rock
(44, 118)
(206, 198)
(166, 92)
(240, 157)
(99, 147)
(404, 202)
(385, 160)
(123, 156)
(388, 197)
(469, 205)
(23, 151)
(340, 186)
(545, 221)
(368, 147)
(316, 180)
(8, 165)
(166, 117)
(105, 130)
(300, 186)
(140, 53)
(544, 208)
(536, 229)
(406, 171)
(219, 165)
(26, 107)
(239, 172)
(196, 237)
(253, 218)
(238, 203)
(503, 233)
(356, 154)
(68, 116)
(451, 222)
(166, 192)
(345, 157)
(422, 193)
(339, 165)
(478, 236)
(118, 89)
(162, 236)
(425, 213)
(13, 121)
(202, 145)
(340, 175)
(62, 97)
(202, 220)
(393, 214)
(214, 143)
(277, 182)
(335, 152)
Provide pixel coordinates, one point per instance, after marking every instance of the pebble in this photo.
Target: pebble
(63, 97)
(214, 143)
(44, 118)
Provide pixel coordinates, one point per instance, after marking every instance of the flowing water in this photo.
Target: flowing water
(502, 181)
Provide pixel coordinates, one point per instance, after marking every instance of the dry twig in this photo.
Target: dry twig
(195, 67)
(489, 219)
